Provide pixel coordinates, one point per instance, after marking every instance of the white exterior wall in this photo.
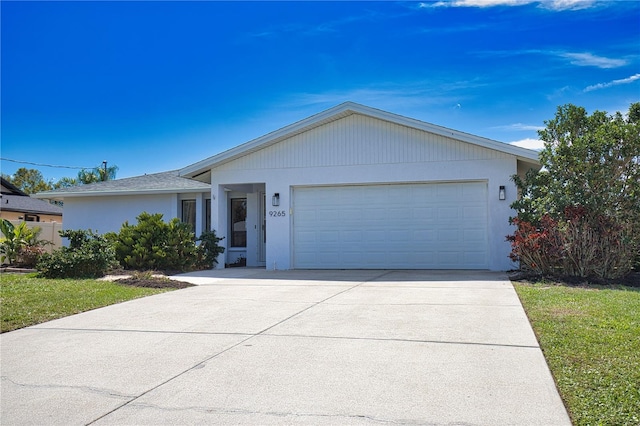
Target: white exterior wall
(108, 213)
(361, 150)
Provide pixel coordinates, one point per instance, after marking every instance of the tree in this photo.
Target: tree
(29, 181)
(65, 182)
(589, 184)
(97, 174)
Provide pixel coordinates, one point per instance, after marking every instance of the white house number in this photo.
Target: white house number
(277, 213)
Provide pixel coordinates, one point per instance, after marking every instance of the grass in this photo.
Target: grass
(590, 337)
(27, 300)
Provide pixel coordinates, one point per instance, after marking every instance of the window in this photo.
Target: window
(31, 218)
(189, 212)
(207, 215)
(238, 222)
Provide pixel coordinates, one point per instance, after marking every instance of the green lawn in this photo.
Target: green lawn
(591, 340)
(26, 300)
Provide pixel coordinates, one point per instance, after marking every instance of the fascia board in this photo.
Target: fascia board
(16, 210)
(62, 195)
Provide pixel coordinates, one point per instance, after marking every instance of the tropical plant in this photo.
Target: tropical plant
(20, 244)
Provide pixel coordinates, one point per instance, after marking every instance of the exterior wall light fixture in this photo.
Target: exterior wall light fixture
(275, 200)
(502, 194)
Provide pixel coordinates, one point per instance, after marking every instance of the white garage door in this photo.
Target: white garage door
(408, 226)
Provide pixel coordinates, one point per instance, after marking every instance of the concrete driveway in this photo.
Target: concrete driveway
(249, 346)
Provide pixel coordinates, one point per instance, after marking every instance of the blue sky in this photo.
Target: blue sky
(156, 86)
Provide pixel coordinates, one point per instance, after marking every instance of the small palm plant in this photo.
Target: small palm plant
(20, 244)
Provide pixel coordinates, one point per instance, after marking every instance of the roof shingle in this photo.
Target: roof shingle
(153, 183)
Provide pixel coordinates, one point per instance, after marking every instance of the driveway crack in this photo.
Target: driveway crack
(241, 411)
(88, 389)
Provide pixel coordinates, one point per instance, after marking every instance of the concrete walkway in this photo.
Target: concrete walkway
(253, 347)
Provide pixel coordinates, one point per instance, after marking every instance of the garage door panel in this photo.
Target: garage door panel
(423, 214)
(475, 215)
(399, 196)
(326, 237)
(473, 236)
(448, 214)
(374, 214)
(413, 226)
(398, 214)
(422, 235)
(449, 235)
(375, 236)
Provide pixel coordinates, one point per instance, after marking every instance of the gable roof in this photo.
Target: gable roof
(156, 183)
(344, 110)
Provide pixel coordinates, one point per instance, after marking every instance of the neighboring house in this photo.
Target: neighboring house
(351, 187)
(17, 205)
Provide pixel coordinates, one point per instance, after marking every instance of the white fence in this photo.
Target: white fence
(48, 232)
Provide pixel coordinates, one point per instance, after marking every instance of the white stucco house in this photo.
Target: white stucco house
(352, 187)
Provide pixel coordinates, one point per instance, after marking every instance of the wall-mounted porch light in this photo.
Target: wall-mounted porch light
(275, 200)
(502, 193)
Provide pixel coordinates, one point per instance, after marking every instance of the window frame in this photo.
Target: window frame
(190, 210)
(242, 234)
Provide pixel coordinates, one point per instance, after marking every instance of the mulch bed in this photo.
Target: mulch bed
(154, 283)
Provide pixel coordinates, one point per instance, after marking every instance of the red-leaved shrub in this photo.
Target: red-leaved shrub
(579, 244)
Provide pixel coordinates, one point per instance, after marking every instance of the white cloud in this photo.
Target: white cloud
(475, 3)
(567, 4)
(556, 5)
(535, 144)
(384, 98)
(519, 126)
(581, 59)
(613, 83)
(587, 59)
(393, 96)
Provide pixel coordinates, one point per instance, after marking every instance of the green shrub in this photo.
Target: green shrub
(153, 244)
(88, 255)
(209, 249)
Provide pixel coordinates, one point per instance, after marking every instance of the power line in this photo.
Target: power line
(45, 165)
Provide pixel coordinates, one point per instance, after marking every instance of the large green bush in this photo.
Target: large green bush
(153, 244)
(580, 214)
(88, 255)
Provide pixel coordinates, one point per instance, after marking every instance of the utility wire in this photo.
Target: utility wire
(46, 165)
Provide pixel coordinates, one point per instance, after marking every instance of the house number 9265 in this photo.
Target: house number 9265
(277, 213)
